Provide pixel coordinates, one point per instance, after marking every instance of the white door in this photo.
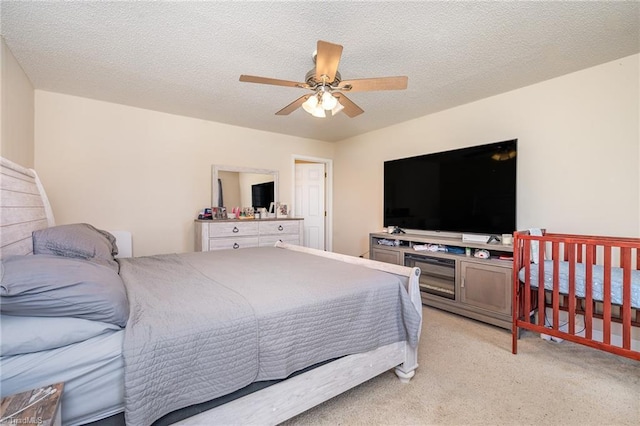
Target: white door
(309, 199)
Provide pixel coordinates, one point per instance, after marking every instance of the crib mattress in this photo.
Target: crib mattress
(580, 274)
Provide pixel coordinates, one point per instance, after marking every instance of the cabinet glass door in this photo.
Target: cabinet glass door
(437, 275)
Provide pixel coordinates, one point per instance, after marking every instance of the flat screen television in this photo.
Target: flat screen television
(262, 194)
(468, 190)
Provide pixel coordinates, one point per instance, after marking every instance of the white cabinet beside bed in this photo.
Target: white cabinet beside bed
(242, 233)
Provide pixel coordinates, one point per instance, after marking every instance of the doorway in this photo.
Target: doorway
(312, 189)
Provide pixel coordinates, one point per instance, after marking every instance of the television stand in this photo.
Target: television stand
(452, 280)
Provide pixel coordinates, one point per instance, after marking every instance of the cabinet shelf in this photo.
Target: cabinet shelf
(465, 285)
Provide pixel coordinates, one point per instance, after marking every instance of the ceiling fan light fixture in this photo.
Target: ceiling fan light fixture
(310, 104)
(316, 106)
(319, 112)
(329, 102)
(336, 109)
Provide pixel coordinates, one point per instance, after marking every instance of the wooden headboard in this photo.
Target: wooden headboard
(24, 208)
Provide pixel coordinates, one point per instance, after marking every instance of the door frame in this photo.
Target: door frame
(328, 193)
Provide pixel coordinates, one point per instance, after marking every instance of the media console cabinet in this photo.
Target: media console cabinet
(459, 283)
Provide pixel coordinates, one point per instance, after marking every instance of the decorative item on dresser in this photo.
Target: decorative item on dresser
(235, 234)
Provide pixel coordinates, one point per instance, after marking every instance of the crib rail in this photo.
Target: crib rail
(573, 316)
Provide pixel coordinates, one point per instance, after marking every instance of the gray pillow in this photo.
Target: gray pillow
(77, 240)
(53, 286)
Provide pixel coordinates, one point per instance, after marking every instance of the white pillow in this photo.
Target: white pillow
(535, 245)
(21, 335)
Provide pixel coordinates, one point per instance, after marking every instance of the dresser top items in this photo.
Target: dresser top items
(248, 220)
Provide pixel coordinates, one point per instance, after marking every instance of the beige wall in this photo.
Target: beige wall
(124, 168)
(578, 160)
(16, 110)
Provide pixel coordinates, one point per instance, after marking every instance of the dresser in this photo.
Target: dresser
(241, 233)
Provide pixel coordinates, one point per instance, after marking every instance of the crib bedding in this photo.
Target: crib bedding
(92, 372)
(184, 345)
(597, 285)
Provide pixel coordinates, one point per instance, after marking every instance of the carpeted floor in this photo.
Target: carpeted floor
(468, 376)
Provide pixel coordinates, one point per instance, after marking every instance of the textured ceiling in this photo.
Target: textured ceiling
(186, 57)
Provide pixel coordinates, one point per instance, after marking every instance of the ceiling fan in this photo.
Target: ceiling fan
(327, 87)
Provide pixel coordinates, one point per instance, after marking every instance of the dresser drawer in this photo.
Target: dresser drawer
(277, 227)
(233, 243)
(236, 233)
(270, 240)
(233, 229)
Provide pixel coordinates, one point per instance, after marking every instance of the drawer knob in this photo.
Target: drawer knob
(280, 228)
(235, 230)
(236, 245)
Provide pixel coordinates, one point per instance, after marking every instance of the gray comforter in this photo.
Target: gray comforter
(206, 324)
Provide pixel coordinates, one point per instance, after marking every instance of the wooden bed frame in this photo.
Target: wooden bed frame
(25, 208)
(584, 316)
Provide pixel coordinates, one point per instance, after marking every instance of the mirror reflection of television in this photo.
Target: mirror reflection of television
(262, 195)
(468, 190)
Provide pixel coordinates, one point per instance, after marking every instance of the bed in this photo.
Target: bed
(584, 289)
(179, 333)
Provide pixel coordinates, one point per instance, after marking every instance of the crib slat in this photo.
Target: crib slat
(606, 311)
(588, 289)
(542, 312)
(541, 245)
(572, 287)
(625, 263)
(637, 266)
(556, 284)
(527, 279)
(519, 260)
(580, 247)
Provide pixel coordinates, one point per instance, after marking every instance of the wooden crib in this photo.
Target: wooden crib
(591, 290)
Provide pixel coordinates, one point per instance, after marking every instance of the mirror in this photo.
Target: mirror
(243, 187)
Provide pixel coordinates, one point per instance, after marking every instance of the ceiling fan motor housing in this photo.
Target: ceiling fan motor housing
(310, 79)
